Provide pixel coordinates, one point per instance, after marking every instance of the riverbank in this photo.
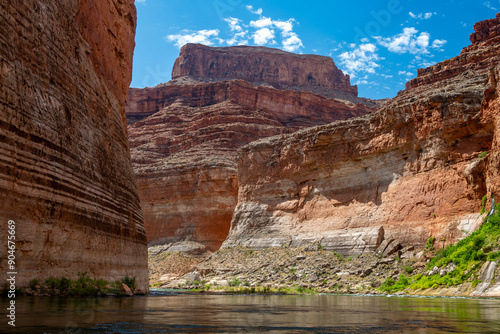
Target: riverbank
(468, 268)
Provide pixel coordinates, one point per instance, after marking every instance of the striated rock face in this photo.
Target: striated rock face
(278, 68)
(65, 172)
(184, 136)
(412, 168)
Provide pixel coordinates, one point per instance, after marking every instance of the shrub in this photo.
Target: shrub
(483, 155)
(430, 243)
(129, 281)
(408, 269)
(34, 282)
(483, 203)
(234, 282)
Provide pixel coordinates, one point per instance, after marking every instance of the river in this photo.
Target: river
(164, 312)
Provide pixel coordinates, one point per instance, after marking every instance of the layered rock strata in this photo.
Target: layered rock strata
(278, 68)
(184, 136)
(65, 173)
(414, 167)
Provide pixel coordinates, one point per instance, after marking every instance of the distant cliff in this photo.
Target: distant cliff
(280, 69)
(414, 169)
(184, 135)
(65, 173)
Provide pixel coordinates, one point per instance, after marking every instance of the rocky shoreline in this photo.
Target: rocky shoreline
(311, 269)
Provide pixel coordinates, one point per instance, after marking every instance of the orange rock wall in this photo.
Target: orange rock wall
(65, 172)
(412, 168)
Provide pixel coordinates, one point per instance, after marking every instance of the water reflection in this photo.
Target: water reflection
(184, 313)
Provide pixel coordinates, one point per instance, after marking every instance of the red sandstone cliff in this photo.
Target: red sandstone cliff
(65, 173)
(411, 170)
(184, 136)
(280, 69)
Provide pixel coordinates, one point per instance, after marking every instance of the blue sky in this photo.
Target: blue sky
(381, 44)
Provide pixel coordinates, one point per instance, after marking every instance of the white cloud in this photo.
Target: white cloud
(141, 1)
(422, 16)
(234, 24)
(264, 36)
(292, 43)
(489, 5)
(438, 44)
(264, 22)
(263, 31)
(201, 36)
(407, 42)
(362, 59)
(408, 74)
(239, 38)
(256, 12)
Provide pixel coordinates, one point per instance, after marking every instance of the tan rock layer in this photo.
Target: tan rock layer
(413, 167)
(65, 172)
(259, 64)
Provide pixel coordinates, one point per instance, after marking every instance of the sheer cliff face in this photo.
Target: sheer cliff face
(184, 136)
(65, 172)
(412, 168)
(259, 64)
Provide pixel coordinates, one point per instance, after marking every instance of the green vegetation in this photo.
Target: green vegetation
(483, 203)
(463, 260)
(234, 282)
(483, 155)
(83, 286)
(430, 244)
(408, 269)
(338, 256)
(390, 285)
(129, 281)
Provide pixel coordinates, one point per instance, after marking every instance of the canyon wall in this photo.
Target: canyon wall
(65, 172)
(412, 170)
(280, 69)
(184, 136)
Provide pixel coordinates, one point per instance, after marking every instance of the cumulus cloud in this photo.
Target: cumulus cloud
(264, 22)
(207, 37)
(262, 31)
(362, 59)
(234, 24)
(422, 16)
(257, 12)
(292, 43)
(264, 36)
(409, 41)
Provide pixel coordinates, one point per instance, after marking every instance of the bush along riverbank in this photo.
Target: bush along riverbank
(83, 286)
(468, 268)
